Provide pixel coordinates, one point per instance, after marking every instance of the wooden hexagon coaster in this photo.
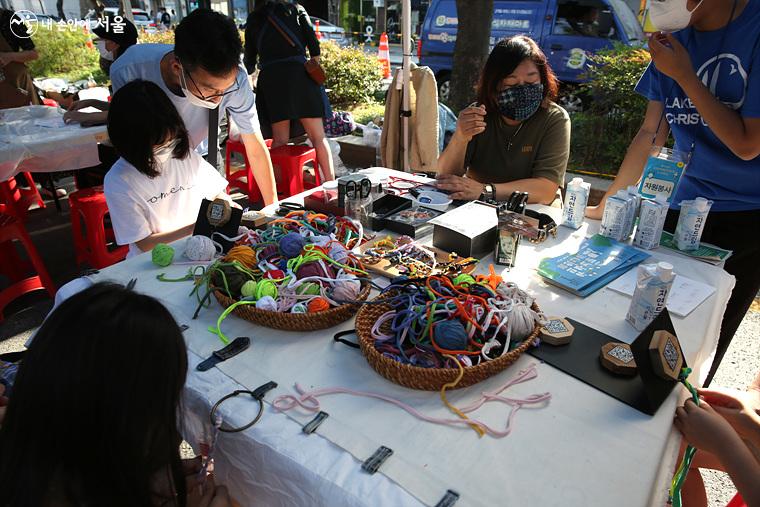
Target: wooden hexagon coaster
(618, 358)
(557, 331)
(666, 355)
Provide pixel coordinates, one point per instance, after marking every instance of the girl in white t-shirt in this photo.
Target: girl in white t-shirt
(154, 191)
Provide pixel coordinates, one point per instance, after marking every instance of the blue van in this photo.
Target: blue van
(566, 30)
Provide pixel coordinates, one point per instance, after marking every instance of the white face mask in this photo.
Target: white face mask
(670, 15)
(104, 53)
(194, 100)
(163, 154)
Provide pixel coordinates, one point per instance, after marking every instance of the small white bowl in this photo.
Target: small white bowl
(434, 200)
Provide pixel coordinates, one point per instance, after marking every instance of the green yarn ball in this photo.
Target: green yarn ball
(266, 287)
(463, 279)
(309, 289)
(248, 289)
(162, 255)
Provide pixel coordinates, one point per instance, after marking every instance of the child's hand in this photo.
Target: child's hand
(739, 408)
(703, 427)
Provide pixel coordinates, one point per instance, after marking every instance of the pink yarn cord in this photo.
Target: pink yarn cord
(307, 400)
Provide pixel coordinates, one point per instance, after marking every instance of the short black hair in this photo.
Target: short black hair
(124, 34)
(208, 40)
(140, 117)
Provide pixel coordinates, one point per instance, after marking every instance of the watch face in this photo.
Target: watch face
(217, 211)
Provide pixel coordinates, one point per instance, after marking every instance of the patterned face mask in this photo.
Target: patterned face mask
(520, 102)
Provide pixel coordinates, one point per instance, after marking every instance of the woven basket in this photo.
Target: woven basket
(427, 379)
(294, 321)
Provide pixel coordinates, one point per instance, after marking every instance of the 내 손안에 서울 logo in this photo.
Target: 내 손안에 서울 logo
(26, 19)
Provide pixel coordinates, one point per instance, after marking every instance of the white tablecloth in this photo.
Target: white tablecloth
(33, 139)
(583, 448)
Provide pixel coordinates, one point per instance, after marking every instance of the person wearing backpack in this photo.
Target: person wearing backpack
(276, 37)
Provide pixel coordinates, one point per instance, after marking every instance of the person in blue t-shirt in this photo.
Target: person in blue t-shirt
(704, 81)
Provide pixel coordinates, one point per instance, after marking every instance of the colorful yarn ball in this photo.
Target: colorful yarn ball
(248, 289)
(346, 289)
(274, 274)
(309, 289)
(267, 303)
(243, 254)
(463, 279)
(268, 252)
(522, 322)
(313, 269)
(338, 252)
(234, 279)
(318, 304)
(450, 335)
(265, 288)
(299, 308)
(199, 248)
(162, 255)
(291, 245)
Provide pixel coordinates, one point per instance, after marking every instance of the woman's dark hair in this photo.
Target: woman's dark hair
(506, 55)
(93, 419)
(209, 40)
(123, 33)
(140, 117)
(262, 8)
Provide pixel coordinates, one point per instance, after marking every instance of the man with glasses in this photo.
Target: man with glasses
(202, 72)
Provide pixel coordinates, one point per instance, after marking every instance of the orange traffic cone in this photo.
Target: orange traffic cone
(384, 55)
(316, 29)
(88, 42)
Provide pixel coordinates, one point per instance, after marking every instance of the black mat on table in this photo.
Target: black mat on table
(580, 359)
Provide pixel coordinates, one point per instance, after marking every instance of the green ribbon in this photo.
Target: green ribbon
(679, 478)
(218, 329)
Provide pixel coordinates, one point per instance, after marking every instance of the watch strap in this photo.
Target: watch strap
(237, 346)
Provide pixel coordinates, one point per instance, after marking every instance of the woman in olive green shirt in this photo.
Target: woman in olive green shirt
(517, 138)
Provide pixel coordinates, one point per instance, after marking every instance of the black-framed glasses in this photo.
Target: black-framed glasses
(232, 89)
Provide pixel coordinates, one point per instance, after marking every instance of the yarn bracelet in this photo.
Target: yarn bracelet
(674, 495)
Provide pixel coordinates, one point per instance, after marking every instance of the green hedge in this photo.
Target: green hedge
(353, 77)
(602, 133)
(64, 53)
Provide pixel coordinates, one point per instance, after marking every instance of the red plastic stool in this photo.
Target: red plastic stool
(12, 229)
(89, 205)
(18, 199)
(291, 159)
(243, 179)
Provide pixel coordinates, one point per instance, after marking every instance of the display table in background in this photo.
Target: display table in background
(34, 139)
(583, 448)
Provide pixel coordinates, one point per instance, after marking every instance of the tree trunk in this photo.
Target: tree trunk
(333, 12)
(125, 9)
(59, 8)
(470, 50)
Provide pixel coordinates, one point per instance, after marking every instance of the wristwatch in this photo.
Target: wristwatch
(488, 193)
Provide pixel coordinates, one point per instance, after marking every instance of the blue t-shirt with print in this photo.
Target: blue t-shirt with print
(727, 61)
